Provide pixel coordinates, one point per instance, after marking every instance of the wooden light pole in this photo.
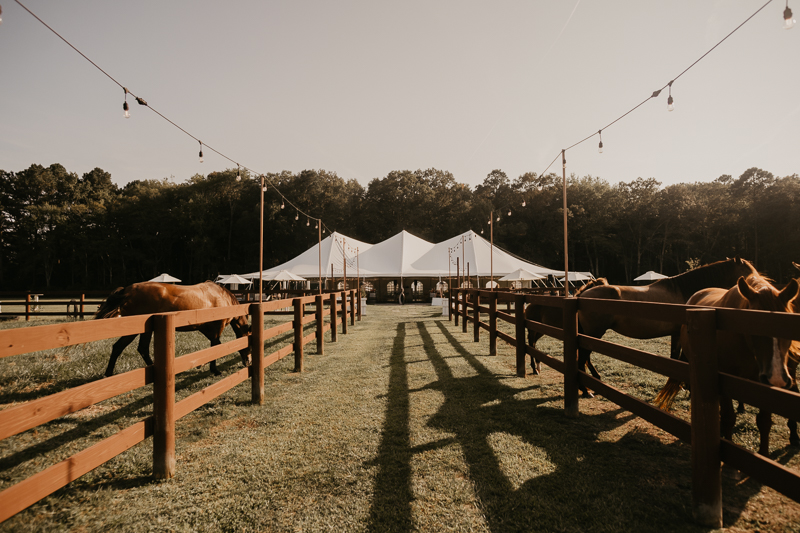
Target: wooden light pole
(566, 247)
(261, 247)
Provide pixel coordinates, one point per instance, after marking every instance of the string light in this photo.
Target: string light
(201, 151)
(509, 212)
(498, 218)
(297, 216)
(600, 146)
(238, 173)
(788, 21)
(670, 101)
(308, 222)
(523, 203)
(282, 204)
(125, 111)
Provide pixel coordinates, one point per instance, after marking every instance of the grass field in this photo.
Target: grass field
(404, 425)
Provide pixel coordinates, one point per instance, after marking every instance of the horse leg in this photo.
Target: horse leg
(144, 347)
(533, 337)
(120, 345)
(213, 365)
(583, 362)
(764, 423)
(727, 417)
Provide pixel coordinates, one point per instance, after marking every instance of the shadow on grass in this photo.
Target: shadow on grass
(589, 481)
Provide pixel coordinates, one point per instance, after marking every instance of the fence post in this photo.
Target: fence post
(358, 300)
(465, 307)
(454, 310)
(164, 396)
(493, 323)
(27, 307)
(449, 304)
(344, 312)
(319, 312)
(352, 307)
(333, 310)
(477, 318)
(83, 299)
(298, 334)
(571, 356)
(519, 322)
(704, 383)
(257, 353)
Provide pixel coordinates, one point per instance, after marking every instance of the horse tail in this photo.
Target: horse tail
(110, 306)
(666, 396)
(593, 283)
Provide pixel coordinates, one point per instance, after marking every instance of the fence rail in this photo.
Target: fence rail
(160, 425)
(707, 384)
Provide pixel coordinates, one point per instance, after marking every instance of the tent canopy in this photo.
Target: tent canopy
(405, 255)
(233, 279)
(650, 276)
(521, 275)
(166, 278)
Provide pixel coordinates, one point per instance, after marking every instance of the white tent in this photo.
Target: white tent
(166, 278)
(405, 255)
(333, 250)
(578, 276)
(650, 276)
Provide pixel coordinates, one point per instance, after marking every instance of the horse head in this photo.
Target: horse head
(771, 353)
(240, 329)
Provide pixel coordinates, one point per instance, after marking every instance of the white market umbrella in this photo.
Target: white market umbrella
(283, 275)
(234, 279)
(166, 278)
(521, 275)
(650, 276)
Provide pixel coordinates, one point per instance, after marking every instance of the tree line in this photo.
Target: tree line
(64, 231)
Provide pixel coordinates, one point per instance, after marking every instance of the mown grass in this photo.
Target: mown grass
(404, 425)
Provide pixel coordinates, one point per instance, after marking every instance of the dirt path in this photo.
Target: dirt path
(405, 425)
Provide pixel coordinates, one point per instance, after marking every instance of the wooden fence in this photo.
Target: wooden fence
(166, 411)
(709, 450)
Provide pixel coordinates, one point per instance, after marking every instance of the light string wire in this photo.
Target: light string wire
(142, 102)
(300, 211)
(654, 95)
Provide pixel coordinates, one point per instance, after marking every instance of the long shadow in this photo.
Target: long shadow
(606, 486)
(391, 503)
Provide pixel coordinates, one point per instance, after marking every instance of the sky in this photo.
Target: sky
(363, 88)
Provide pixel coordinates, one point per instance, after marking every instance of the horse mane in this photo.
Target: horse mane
(704, 276)
(593, 283)
(110, 306)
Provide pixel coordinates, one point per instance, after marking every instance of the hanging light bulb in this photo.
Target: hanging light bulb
(316, 224)
(282, 204)
(509, 212)
(323, 230)
(481, 231)
(498, 218)
(201, 151)
(297, 216)
(523, 203)
(238, 173)
(308, 222)
(600, 146)
(125, 110)
(670, 101)
(788, 21)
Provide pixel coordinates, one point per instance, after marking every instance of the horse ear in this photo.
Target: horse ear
(789, 292)
(797, 266)
(744, 288)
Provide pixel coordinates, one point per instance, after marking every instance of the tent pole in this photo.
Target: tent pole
(491, 246)
(319, 245)
(566, 249)
(261, 247)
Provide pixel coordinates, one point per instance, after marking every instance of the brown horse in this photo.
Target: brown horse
(149, 297)
(676, 289)
(754, 357)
